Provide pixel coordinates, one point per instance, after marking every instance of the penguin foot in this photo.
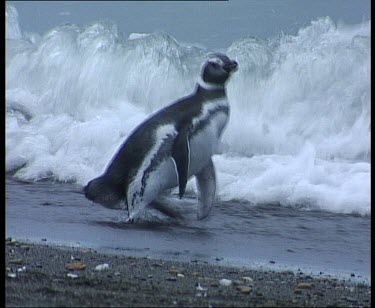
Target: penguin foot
(164, 209)
(129, 220)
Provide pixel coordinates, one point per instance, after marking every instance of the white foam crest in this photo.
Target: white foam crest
(13, 29)
(74, 70)
(66, 149)
(136, 36)
(314, 86)
(302, 181)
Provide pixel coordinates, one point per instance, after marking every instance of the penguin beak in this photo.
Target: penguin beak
(231, 66)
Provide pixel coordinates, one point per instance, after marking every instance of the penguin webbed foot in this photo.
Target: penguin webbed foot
(129, 220)
(165, 210)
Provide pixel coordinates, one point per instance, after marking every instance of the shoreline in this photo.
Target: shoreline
(48, 275)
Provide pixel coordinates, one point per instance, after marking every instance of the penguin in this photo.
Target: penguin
(172, 145)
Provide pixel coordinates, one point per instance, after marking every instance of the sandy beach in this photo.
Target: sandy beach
(46, 275)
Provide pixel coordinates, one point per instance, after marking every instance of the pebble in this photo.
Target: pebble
(102, 267)
(247, 279)
(23, 268)
(16, 261)
(351, 299)
(200, 288)
(11, 275)
(233, 272)
(171, 278)
(244, 289)
(79, 266)
(270, 303)
(237, 282)
(72, 275)
(173, 270)
(287, 273)
(158, 264)
(225, 282)
(304, 285)
(88, 250)
(11, 241)
(180, 275)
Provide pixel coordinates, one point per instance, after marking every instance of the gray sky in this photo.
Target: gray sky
(210, 23)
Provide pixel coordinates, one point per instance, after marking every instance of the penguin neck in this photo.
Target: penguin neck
(210, 86)
(217, 93)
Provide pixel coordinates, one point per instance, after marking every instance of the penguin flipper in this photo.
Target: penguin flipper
(181, 157)
(206, 184)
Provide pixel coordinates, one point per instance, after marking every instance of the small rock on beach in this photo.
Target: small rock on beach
(225, 282)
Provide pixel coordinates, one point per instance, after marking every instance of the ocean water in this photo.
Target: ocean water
(297, 144)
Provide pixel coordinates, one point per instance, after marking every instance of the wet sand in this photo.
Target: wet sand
(47, 275)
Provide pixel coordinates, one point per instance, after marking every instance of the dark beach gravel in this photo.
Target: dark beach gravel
(46, 275)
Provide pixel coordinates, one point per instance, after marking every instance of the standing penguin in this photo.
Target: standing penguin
(169, 147)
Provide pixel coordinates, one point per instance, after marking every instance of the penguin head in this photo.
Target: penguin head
(217, 70)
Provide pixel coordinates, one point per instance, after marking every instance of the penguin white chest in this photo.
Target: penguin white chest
(206, 133)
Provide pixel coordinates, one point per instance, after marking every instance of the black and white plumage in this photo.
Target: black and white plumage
(171, 146)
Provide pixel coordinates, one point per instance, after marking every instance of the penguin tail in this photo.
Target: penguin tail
(101, 190)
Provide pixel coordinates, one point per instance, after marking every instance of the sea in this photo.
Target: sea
(293, 170)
